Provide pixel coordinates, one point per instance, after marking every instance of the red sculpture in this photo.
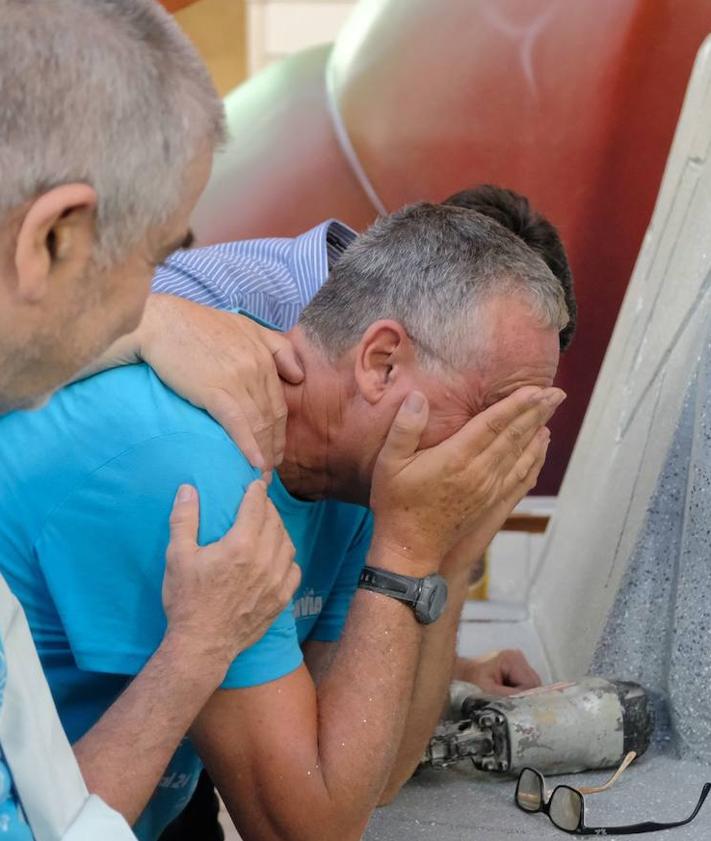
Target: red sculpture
(176, 5)
(572, 103)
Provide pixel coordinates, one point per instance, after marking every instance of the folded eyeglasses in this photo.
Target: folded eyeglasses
(565, 806)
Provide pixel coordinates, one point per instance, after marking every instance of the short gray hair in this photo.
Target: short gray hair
(105, 92)
(427, 267)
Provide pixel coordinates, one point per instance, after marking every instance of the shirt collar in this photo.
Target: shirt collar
(315, 252)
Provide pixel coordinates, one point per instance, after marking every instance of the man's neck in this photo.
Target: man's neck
(316, 465)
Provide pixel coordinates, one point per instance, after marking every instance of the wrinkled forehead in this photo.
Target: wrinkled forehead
(515, 350)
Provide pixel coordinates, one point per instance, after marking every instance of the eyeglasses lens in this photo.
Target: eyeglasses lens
(529, 793)
(566, 808)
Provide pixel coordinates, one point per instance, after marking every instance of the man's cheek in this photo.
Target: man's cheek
(438, 429)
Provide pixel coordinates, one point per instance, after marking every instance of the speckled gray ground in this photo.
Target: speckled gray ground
(463, 805)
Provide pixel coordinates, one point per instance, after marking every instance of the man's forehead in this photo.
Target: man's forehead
(513, 360)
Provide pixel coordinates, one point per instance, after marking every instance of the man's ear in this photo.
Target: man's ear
(56, 233)
(382, 354)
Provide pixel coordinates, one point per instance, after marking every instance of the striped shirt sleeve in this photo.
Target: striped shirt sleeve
(272, 279)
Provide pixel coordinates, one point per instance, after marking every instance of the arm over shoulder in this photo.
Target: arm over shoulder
(102, 549)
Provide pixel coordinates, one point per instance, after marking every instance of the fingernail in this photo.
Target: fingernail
(185, 493)
(556, 399)
(415, 402)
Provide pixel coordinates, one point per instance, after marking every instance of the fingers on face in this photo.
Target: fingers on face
(407, 427)
(523, 473)
(519, 439)
(510, 421)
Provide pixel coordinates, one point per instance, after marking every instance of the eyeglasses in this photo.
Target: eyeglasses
(565, 806)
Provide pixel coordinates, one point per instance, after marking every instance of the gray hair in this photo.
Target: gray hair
(105, 92)
(428, 267)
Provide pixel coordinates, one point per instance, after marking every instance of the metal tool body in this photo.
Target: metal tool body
(564, 728)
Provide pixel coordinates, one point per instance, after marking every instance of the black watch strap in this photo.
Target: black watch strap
(403, 587)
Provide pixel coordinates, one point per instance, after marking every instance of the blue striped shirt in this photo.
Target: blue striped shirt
(272, 279)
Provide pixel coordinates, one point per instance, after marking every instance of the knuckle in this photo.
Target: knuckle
(400, 427)
(514, 434)
(522, 472)
(494, 425)
(218, 400)
(261, 427)
(172, 554)
(459, 462)
(177, 516)
(488, 485)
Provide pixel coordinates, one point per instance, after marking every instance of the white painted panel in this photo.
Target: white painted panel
(637, 401)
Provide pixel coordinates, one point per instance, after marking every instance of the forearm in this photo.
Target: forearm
(361, 702)
(434, 673)
(338, 739)
(164, 315)
(127, 349)
(125, 754)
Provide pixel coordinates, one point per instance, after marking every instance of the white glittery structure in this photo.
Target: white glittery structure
(657, 632)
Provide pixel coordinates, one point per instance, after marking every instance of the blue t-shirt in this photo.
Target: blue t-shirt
(13, 826)
(88, 485)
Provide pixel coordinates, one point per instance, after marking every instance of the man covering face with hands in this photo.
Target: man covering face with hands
(428, 358)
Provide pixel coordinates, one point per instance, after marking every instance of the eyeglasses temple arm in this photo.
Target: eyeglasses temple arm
(647, 826)
(631, 756)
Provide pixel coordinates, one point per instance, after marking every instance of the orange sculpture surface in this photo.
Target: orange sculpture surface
(572, 103)
(176, 5)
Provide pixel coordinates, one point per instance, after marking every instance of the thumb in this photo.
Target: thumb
(184, 518)
(407, 427)
(285, 358)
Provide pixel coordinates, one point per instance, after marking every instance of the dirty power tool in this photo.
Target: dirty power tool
(560, 729)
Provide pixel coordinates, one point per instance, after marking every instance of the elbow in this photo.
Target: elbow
(398, 778)
(343, 825)
(345, 831)
(389, 793)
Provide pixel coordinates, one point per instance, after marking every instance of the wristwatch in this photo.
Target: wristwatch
(426, 596)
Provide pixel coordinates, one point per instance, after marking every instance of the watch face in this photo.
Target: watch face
(433, 599)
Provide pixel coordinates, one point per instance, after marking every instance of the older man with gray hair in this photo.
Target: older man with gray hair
(108, 121)
(428, 357)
